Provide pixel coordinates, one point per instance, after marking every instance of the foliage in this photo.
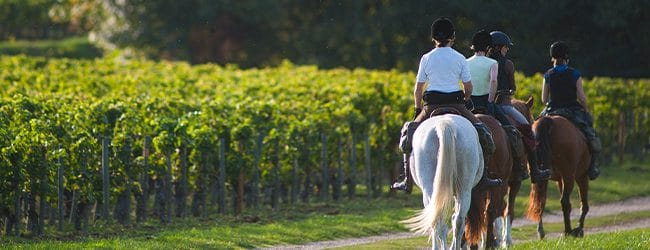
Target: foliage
(74, 47)
(368, 34)
(56, 112)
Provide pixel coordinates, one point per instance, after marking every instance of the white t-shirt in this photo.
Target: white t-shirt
(479, 67)
(443, 68)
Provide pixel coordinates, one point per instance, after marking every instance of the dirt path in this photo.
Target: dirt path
(626, 206)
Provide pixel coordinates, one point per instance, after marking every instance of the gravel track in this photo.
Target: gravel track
(625, 206)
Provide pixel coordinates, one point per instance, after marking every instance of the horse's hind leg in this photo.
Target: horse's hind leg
(566, 187)
(458, 218)
(583, 187)
(513, 187)
(439, 235)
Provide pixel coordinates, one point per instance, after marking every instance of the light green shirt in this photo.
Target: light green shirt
(479, 68)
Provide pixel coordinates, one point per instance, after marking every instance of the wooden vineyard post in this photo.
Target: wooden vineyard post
(59, 176)
(222, 175)
(105, 179)
(324, 190)
(366, 147)
(141, 210)
(352, 185)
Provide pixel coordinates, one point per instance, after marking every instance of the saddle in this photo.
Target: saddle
(444, 111)
(406, 137)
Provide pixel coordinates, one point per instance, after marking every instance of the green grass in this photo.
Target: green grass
(633, 239)
(319, 221)
(75, 47)
(617, 182)
(294, 225)
(529, 234)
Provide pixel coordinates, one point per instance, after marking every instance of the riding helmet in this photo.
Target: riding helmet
(559, 50)
(442, 29)
(500, 38)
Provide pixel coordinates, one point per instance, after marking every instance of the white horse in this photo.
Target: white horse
(446, 163)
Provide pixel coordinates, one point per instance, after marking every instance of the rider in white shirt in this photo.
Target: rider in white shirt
(443, 68)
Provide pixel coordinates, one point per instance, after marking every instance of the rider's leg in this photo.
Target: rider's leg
(595, 148)
(487, 145)
(515, 138)
(528, 137)
(536, 173)
(406, 146)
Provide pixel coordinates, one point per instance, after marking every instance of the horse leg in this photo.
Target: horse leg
(439, 235)
(496, 211)
(565, 201)
(583, 188)
(463, 201)
(509, 214)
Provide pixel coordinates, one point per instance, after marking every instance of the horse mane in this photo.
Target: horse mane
(524, 108)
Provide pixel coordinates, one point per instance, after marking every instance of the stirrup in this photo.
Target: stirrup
(401, 185)
(593, 173)
(539, 175)
(486, 183)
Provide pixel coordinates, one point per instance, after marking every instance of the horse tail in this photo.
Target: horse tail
(537, 199)
(443, 184)
(476, 222)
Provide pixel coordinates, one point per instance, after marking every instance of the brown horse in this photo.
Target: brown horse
(563, 149)
(500, 166)
(514, 183)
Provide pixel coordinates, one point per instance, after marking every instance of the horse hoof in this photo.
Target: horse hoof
(578, 232)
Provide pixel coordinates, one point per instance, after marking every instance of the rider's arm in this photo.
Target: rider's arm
(494, 71)
(582, 99)
(545, 92)
(466, 78)
(417, 94)
(467, 86)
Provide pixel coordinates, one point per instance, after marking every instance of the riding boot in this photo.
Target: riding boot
(537, 174)
(595, 147)
(406, 146)
(404, 183)
(487, 145)
(517, 146)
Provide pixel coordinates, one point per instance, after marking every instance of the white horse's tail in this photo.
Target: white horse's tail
(441, 201)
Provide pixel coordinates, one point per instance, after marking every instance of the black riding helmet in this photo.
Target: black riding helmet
(500, 38)
(559, 50)
(442, 29)
(481, 41)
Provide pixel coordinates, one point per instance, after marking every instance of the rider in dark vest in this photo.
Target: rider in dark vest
(443, 68)
(563, 94)
(484, 72)
(505, 89)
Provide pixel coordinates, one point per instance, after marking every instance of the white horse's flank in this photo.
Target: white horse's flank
(446, 164)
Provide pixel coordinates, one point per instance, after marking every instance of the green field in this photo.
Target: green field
(319, 221)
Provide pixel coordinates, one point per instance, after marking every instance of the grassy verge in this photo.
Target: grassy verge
(293, 225)
(634, 239)
(617, 182)
(318, 221)
(530, 233)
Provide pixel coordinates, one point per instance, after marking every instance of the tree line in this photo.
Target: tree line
(607, 38)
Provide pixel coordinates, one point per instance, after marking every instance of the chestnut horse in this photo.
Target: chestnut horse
(499, 166)
(563, 149)
(514, 182)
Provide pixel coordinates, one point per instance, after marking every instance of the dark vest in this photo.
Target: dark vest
(503, 81)
(562, 86)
